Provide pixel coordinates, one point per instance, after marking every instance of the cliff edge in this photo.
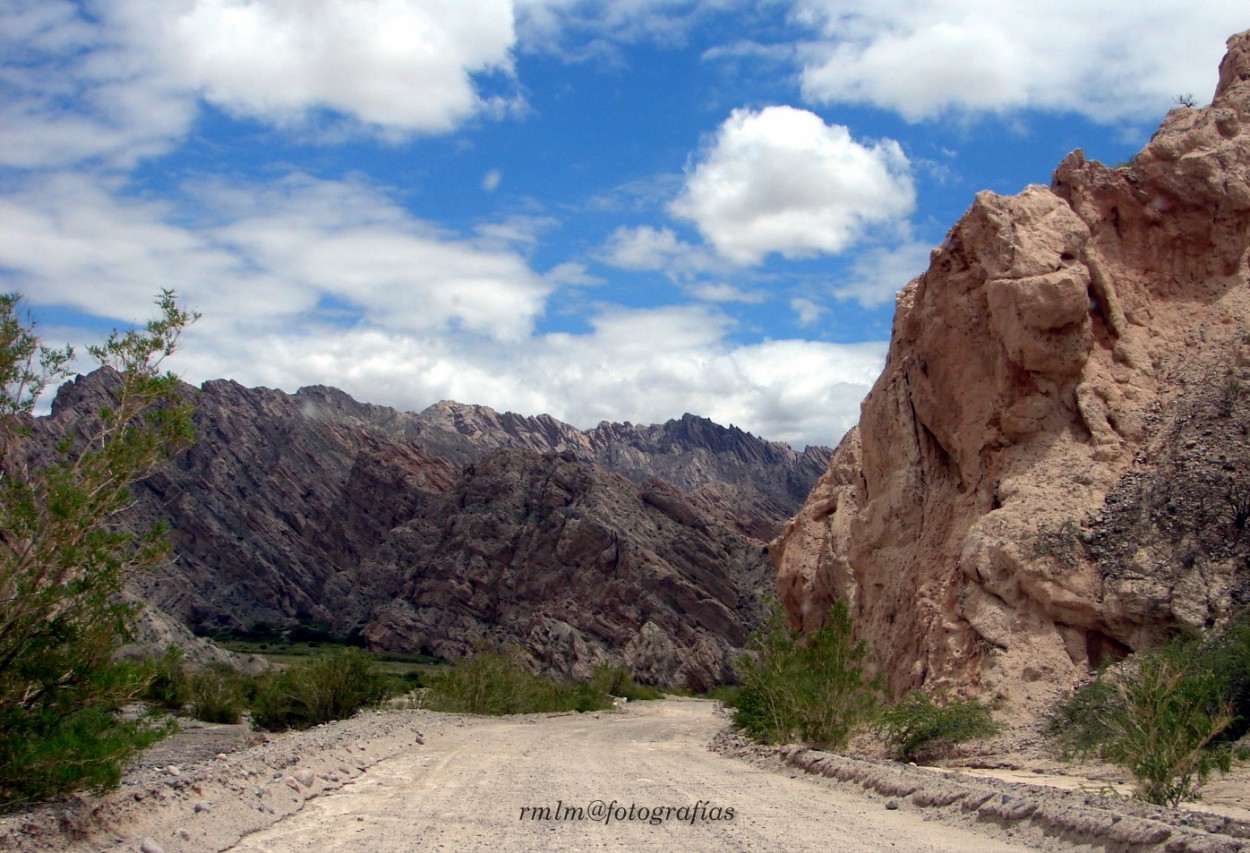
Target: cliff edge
(1052, 467)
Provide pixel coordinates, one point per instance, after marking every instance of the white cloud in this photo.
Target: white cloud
(1108, 60)
(74, 89)
(722, 292)
(279, 252)
(881, 272)
(644, 366)
(808, 310)
(649, 248)
(122, 85)
(781, 180)
(305, 281)
(396, 64)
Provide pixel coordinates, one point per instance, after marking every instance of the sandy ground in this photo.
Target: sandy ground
(413, 780)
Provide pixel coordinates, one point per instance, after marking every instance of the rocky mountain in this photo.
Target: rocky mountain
(434, 531)
(752, 483)
(1052, 467)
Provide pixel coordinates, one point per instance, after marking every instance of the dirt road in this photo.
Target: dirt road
(569, 783)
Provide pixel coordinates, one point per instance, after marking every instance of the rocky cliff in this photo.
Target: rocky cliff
(1052, 467)
(435, 530)
(753, 484)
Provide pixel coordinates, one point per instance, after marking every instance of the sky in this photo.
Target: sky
(616, 210)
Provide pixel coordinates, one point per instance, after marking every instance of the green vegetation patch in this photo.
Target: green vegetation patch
(918, 727)
(811, 688)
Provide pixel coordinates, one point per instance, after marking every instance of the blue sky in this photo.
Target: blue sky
(599, 210)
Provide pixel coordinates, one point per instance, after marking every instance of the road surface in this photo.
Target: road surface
(639, 780)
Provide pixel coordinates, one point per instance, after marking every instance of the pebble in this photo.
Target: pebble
(172, 770)
(891, 804)
(149, 845)
(203, 806)
(305, 778)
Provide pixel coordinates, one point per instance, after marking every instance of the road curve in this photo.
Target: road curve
(568, 783)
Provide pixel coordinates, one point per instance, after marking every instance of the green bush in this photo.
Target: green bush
(811, 688)
(614, 679)
(217, 694)
(918, 727)
(317, 690)
(1225, 654)
(169, 687)
(1156, 714)
(65, 554)
(492, 682)
(50, 750)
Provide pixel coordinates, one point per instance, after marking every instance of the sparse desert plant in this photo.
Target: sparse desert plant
(328, 687)
(1158, 716)
(917, 726)
(1164, 735)
(169, 686)
(1062, 544)
(496, 682)
(811, 687)
(614, 679)
(217, 694)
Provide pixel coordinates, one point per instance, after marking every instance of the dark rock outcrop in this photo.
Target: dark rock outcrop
(752, 483)
(434, 531)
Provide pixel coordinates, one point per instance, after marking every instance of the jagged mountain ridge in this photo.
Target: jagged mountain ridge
(314, 507)
(1013, 506)
(754, 483)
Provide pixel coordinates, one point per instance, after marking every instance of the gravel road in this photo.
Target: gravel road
(501, 784)
(642, 778)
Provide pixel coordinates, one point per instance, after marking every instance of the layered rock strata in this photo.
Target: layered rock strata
(433, 533)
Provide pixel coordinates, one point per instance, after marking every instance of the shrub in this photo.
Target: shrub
(811, 688)
(614, 679)
(217, 694)
(169, 686)
(64, 554)
(493, 682)
(916, 726)
(1158, 716)
(1225, 654)
(324, 688)
(1169, 715)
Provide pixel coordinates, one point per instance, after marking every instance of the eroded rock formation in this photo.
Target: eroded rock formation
(437, 530)
(997, 519)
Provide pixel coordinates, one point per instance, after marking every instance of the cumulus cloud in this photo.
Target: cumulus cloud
(397, 64)
(1109, 61)
(781, 180)
(277, 251)
(722, 292)
(121, 82)
(305, 281)
(881, 272)
(649, 248)
(639, 365)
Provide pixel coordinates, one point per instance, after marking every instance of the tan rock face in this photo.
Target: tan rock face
(1043, 360)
